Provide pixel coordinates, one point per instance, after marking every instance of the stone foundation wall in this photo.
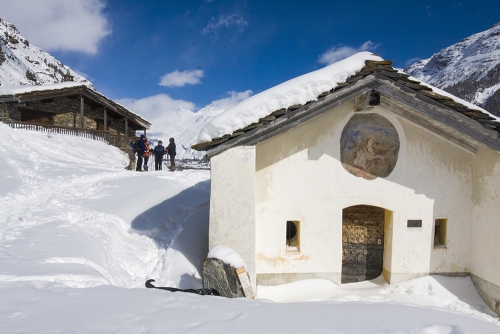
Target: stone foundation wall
(9, 113)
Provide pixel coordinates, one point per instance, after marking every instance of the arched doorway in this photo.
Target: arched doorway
(362, 243)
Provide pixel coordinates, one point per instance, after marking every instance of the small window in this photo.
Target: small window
(440, 233)
(414, 223)
(292, 236)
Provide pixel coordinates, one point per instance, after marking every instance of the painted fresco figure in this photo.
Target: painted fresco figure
(366, 154)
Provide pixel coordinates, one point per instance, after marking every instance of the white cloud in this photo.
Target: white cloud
(179, 79)
(168, 115)
(234, 21)
(233, 99)
(59, 25)
(340, 52)
(152, 106)
(164, 112)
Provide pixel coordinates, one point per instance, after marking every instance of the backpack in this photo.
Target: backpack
(159, 151)
(133, 144)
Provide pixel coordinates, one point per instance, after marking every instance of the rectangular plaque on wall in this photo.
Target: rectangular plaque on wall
(414, 223)
(245, 282)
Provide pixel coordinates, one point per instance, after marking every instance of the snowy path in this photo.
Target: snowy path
(79, 235)
(67, 218)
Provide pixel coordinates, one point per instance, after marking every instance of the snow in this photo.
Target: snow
(13, 90)
(79, 235)
(456, 99)
(299, 90)
(227, 255)
(22, 56)
(471, 63)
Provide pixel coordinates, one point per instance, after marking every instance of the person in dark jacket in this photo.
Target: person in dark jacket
(141, 148)
(171, 152)
(159, 152)
(146, 154)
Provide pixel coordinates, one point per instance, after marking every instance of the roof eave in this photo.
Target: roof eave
(442, 115)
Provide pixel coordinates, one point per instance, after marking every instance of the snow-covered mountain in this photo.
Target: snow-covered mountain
(22, 63)
(191, 129)
(469, 69)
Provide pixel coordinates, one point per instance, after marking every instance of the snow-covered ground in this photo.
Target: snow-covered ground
(79, 235)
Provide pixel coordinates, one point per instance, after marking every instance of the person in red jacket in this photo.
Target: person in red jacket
(146, 154)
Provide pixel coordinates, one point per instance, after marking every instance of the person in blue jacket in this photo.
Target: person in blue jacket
(159, 152)
(141, 149)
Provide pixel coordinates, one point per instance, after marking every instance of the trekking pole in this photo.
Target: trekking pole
(152, 161)
(165, 161)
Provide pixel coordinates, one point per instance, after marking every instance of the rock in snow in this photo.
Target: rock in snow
(222, 277)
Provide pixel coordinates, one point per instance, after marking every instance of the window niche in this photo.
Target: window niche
(440, 233)
(292, 236)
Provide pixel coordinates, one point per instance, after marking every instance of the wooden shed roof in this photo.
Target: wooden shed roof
(23, 94)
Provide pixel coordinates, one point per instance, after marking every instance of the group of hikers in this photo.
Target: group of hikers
(142, 148)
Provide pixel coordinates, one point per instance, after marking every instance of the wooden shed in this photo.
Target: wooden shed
(70, 108)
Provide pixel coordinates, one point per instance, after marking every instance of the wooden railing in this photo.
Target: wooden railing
(120, 141)
(99, 135)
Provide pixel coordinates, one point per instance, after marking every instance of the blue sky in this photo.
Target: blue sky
(201, 51)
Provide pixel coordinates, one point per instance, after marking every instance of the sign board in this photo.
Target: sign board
(245, 282)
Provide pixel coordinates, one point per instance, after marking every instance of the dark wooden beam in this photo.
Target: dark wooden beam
(126, 130)
(82, 110)
(105, 119)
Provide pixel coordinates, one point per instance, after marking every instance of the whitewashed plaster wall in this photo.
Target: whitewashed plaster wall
(299, 177)
(443, 172)
(485, 239)
(232, 204)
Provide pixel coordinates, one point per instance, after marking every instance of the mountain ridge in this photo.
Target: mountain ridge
(22, 63)
(469, 69)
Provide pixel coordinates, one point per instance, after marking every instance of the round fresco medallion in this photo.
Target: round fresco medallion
(369, 146)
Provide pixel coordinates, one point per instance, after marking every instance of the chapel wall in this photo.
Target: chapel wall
(485, 233)
(232, 204)
(443, 172)
(299, 177)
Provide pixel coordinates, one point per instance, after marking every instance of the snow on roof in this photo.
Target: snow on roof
(17, 90)
(227, 255)
(14, 90)
(296, 91)
(456, 99)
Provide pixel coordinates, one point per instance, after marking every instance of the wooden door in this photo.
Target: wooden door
(36, 117)
(362, 243)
